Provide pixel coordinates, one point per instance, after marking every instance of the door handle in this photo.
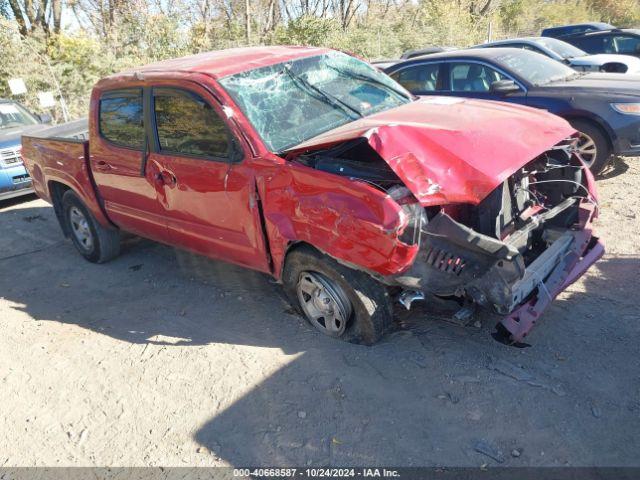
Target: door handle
(166, 178)
(102, 165)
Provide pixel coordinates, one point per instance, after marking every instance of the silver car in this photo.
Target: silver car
(570, 55)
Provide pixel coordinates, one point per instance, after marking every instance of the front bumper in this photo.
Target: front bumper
(581, 251)
(456, 260)
(14, 182)
(627, 135)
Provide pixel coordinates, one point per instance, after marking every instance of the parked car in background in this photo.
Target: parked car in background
(383, 63)
(619, 41)
(570, 55)
(603, 107)
(312, 166)
(15, 120)
(425, 51)
(574, 29)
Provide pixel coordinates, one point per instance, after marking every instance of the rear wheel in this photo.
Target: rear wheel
(337, 300)
(94, 242)
(593, 146)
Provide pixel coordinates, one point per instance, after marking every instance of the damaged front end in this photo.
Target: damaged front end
(515, 250)
(500, 221)
(511, 252)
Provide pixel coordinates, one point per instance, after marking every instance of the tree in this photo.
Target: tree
(44, 15)
(621, 13)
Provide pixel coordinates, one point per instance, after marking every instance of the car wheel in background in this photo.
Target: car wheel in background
(593, 146)
(94, 242)
(337, 300)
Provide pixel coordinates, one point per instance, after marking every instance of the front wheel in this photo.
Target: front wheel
(593, 146)
(338, 301)
(94, 242)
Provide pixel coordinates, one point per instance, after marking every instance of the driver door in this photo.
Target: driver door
(203, 180)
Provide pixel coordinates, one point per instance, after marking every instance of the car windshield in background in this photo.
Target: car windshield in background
(564, 49)
(13, 115)
(534, 68)
(291, 102)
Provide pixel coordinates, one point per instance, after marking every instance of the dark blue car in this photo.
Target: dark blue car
(603, 107)
(15, 121)
(575, 29)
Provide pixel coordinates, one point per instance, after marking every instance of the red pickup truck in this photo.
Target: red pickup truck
(314, 167)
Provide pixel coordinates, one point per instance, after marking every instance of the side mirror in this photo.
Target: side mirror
(504, 87)
(45, 118)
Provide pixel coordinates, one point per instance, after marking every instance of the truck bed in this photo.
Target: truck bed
(57, 159)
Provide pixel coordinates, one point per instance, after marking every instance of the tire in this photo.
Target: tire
(591, 133)
(368, 314)
(94, 242)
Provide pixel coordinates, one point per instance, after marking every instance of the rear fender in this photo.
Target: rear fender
(63, 162)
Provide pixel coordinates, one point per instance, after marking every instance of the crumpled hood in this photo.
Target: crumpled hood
(452, 150)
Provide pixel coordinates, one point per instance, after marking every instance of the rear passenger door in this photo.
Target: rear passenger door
(206, 184)
(117, 152)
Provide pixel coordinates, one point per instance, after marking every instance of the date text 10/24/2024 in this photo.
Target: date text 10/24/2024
(316, 472)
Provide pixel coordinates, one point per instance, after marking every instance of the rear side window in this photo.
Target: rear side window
(419, 78)
(121, 118)
(188, 125)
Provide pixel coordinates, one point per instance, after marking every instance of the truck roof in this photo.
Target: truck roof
(221, 63)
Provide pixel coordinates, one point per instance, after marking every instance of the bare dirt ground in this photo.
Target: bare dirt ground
(165, 358)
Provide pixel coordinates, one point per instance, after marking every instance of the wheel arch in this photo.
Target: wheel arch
(609, 135)
(290, 247)
(56, 192)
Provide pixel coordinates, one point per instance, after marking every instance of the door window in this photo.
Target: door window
(121, 118)
(625, 44)
(591, 44)
(473, 77)
(418, 78)
(187, 125)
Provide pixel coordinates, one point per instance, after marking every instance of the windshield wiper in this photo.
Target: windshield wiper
(367, 78)
(322, 95)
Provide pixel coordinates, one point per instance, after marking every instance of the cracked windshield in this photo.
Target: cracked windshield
(291, 102)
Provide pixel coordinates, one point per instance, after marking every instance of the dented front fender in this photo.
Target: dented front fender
(350, 221)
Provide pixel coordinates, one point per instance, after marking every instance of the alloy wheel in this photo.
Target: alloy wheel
(587, 149)
(80, 228)
(324, 303)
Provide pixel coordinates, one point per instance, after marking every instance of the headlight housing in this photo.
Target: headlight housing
(627, 108)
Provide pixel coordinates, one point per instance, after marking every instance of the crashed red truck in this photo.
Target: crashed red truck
(311, 166)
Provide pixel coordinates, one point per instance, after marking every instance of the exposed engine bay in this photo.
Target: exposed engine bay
(497, 254)
(355, 159)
